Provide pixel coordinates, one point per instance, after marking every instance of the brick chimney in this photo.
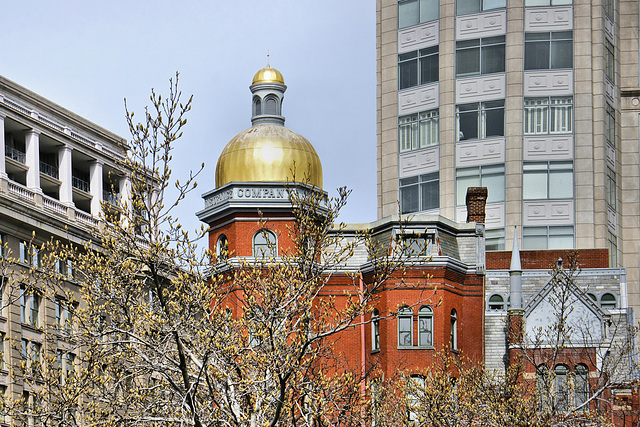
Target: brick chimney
(476, 201)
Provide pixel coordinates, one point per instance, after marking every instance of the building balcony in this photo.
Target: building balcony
(80, 184)
(50, 170)
(111, 198)
(14, 154)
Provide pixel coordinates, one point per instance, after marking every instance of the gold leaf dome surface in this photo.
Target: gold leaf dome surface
(268, 75)
(268, 152)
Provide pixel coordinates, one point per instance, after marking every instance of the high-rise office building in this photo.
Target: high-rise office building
(537, 100)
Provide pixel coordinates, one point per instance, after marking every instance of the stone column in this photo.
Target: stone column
(95, 186)
(32, 143)
(3, 169)
(65, 165)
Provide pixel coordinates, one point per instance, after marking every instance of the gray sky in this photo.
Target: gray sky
(88, 56)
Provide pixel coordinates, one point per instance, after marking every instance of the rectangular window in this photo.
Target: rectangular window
(552, 237)
(610, 125)
(547, 180)
(609, 9)
(610, 185)
(418, 131)
(494, 239)
(480, 56)
(547, 2)
(418, 67)
(30, 307)
(405, 328)
(480, 120)
(491, 177)
(420, 193)
(64, 313)
(464, 7)
(613, 251)
(548, 51)
(31, 356)
(609, 62)
(3, 350)
(414, 12)
(548, 115)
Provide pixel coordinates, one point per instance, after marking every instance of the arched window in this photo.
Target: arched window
(415, 389)
(581, 384)
(265, 244)
(608, 301)
(561, 387)
(222, 248)
(425, 327)
(271, 106)
(593, 297)
(496, 302)
(405, 327)
(375, 330)
(257, 106)
(454, 329)
(543, 384)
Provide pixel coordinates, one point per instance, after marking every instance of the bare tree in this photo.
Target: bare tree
(162, 334)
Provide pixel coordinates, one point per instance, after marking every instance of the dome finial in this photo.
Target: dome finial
(268, 66)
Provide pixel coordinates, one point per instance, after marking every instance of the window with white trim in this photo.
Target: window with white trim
(454, 330)
(480, 56)
(581, 385)
(420, 193)
(414, 12)
(480, 120)
(30, 301)
(375, 330)
(608, 301)
(547, 2)
(425, 327)
(66, 366)
(464, 7)
(405, 327)
(64, 317)
(496, 302)
(265, 243)
(547, 180)
(494, 239)
(222, 248)
(552, 115)
(28, 254)
(418, 67)
(547, 237)
(490, 176)
(561, 388)
(548, 51)
(418, 131)
(31, 357)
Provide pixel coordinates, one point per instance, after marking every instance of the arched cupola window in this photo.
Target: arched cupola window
(257, 106)
(265, 244)
(222, 248)
(271, 106)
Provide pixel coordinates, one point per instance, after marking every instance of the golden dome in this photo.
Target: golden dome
(268, 152)
(268, 75)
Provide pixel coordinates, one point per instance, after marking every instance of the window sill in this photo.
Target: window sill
(415, 347)
(455, 351)
(376, 351)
